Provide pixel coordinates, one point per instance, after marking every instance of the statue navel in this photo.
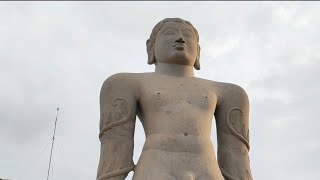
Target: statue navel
(187, 176)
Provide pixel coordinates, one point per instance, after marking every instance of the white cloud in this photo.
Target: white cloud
(59, 53)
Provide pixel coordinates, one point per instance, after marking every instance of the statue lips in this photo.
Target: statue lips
(179, 46)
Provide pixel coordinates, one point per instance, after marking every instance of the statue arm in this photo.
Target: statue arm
(117, 121)
(232, 118)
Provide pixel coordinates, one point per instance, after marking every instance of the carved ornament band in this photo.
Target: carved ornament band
(120, 113)
(233, 122)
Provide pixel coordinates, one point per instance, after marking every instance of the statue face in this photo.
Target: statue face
(176, 43)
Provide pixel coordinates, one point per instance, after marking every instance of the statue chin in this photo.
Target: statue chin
(178, 59)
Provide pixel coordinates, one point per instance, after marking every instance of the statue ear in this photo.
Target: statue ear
(197, 63)
(150, 51)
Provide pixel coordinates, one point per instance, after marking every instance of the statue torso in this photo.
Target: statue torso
(176, 113)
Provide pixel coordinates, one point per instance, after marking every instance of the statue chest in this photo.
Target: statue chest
(179, 96)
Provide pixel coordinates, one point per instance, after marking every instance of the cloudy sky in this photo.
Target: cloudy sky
(57, 54)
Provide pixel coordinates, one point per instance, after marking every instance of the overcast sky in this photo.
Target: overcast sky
(57, 54)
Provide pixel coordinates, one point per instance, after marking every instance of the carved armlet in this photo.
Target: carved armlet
(234, 117)
(121, 112)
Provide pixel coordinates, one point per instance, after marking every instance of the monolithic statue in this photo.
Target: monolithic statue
(176, 110)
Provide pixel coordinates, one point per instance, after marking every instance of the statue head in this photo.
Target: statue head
(174, 41)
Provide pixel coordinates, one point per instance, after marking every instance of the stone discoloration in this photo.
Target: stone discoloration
(176, 110)
(168, 112)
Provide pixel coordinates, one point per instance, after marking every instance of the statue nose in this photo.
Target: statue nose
(180, 40)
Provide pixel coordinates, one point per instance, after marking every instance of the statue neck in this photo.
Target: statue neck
(174, 69)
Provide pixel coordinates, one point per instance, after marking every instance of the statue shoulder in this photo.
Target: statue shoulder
(121, 82)
(232, 92)
(120, 79)
(233, 89)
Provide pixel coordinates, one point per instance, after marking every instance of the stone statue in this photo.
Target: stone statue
(176, 110)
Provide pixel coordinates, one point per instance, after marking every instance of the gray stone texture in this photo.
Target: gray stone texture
(176, 110)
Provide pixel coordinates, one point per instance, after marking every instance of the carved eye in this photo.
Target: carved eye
(186, 34)
(169, 33)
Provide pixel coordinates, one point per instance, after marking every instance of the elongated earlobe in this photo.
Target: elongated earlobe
(151, 59)
(197, 63)
(150, 51)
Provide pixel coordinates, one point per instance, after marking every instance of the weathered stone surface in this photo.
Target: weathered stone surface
(176, 110)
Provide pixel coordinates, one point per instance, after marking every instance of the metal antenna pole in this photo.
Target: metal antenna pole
(54, 133)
